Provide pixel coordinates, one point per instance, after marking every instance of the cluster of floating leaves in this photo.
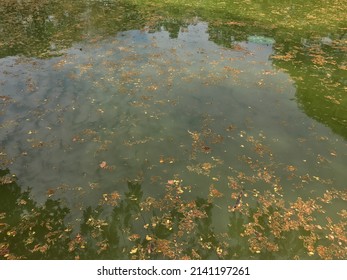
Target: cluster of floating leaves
(261, 224)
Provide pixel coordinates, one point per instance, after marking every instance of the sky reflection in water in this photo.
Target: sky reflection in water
(127, 108)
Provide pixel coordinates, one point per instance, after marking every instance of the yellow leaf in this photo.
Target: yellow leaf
(133, 251)
(148, 238)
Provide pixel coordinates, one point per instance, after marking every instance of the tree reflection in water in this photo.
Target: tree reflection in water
(169, 227)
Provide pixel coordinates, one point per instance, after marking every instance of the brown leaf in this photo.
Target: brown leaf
(103, 164)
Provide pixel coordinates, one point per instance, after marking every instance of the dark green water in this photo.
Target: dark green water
(107, 98)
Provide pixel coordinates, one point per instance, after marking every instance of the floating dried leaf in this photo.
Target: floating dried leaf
(103, 164)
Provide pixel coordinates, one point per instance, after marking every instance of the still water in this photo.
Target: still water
(162, 109)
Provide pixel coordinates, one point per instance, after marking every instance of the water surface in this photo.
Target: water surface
(216, 114)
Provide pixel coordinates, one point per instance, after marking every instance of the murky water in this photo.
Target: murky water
(145, 106)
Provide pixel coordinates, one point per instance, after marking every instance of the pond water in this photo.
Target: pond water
(232, 118)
